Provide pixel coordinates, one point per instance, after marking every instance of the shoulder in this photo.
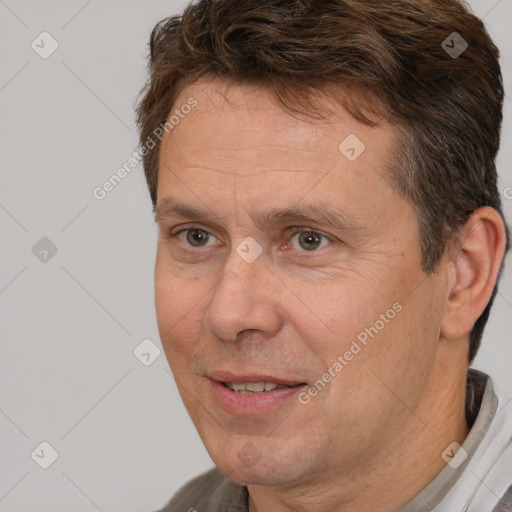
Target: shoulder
(203, 492)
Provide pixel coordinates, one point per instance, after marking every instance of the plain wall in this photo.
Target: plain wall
(69, 325)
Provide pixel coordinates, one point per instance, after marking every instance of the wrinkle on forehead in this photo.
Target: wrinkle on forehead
(248, 154)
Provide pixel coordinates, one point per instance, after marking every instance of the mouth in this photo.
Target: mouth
(251, 388)
(248, 395)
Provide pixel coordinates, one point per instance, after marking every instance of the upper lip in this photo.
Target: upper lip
(244, 378)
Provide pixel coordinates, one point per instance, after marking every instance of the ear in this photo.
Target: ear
(474, 271)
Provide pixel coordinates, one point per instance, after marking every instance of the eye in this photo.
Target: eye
(195, 237)
(308, 240)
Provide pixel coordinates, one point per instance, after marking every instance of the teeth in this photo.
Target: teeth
(253, 387)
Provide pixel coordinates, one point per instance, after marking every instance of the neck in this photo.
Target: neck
(398, 471)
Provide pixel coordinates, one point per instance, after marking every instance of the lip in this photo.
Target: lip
(252, 404)
(243, 378)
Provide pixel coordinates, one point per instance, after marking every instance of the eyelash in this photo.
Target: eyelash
(293, 231)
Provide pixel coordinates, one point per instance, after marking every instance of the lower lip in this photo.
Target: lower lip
(252, 403)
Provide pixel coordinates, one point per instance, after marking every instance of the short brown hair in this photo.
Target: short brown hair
(446, 109)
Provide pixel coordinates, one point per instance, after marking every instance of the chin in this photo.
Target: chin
(242, 475)
(258, 459)
(246, 466)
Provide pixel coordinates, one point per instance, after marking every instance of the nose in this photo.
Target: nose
(244, 300)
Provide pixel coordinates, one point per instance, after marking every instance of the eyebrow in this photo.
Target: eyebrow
(328, 215)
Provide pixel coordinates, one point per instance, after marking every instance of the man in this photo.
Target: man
(330, 241)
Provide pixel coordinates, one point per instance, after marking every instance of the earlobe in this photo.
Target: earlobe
(475, 270)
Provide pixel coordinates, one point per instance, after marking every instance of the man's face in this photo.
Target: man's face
(278, 249)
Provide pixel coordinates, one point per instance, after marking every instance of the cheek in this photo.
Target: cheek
(177, 304)
(405, 350)
(326, 319)
(336, 311)
(179, 328)
(369, 323)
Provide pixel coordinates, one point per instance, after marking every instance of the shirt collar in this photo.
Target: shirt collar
(481, 406)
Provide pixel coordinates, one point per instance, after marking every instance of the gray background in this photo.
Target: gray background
(70, 324)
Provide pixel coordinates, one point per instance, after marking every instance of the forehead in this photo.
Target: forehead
(231, 123)
(237, 152)
(238, 155)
